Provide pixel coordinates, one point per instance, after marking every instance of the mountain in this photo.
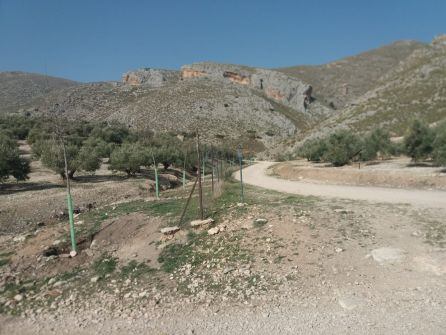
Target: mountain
(340, 82)
(416, 88)
(267, 110)
(18, 89)
(227, 103)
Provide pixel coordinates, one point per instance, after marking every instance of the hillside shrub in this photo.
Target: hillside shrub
(419, 141)
(342, 147)
(439, 145)
(313, 150)
(376, 143)
(11, 164)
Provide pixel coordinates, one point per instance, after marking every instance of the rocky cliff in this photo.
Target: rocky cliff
(277, 86)
(150, 77)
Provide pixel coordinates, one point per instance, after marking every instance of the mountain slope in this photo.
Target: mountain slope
(414, 89)
(342, 81)
(18, 89)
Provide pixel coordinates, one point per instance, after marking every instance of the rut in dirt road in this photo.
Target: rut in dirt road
(256, 175)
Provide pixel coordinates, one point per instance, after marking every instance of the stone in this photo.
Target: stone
(94, 279)
(213, 231)
(339, 250)
(199, 223)
(170, 230)
(260, 222)
(94, 245)
(342, 211)
(20, 238)
(387, 255)
(59, 283)
(51, 281)
(18, 297)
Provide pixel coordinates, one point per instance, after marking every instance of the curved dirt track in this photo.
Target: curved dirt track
(256, 175)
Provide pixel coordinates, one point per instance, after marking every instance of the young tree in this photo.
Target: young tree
(128, 158)
(418, 141)
(439, 145)
(11, 164)
(342, 147)
(313, 150)
(377, 142)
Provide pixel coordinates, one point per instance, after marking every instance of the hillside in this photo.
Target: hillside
(265, 110)
(18, 89)
(204, 96)
(414, 89)
(342, 81)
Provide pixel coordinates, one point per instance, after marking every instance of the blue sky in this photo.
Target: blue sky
(90, 40)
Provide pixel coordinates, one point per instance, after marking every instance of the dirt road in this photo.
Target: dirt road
(257, 175)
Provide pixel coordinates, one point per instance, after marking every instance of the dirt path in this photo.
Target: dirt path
(257, 175)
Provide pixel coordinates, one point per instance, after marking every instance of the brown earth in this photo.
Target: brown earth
(398, 172)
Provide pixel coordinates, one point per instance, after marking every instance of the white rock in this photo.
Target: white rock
(213, 231)
(94, 279)
(339, 250)
(18, 297)
(51, 281)
(198, 223)
(387, 255)
(170, 230)
(20, 238)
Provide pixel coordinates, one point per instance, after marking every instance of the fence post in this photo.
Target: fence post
(240, 158)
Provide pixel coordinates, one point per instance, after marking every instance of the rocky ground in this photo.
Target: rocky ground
(397, 172)
(275, 264)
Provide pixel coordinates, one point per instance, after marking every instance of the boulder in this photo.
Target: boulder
(170, 230)
(213, 231)
(199, 223)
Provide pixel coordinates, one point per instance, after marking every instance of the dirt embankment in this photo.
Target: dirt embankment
(395, 173)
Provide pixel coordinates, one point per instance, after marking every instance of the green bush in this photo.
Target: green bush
(128, 158)
(342, 147)
(418, 141)
(313, 150)
(376, 143)
(82, 158)
(439, 145)
(11, 164)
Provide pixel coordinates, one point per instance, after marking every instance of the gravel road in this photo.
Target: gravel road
(257, 175)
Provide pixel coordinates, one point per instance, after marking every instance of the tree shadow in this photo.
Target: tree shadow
(6, 189)
(93, 179)
(420, 164)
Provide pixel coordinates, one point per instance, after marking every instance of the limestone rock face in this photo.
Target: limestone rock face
(150, 77)
(275, 85)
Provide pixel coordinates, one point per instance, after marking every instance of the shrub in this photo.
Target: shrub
(342, 146)
(377, 142)
(418, 141)
(128, 158)
(78, 157)
(11, 164)
(439, 145)
(313, 150)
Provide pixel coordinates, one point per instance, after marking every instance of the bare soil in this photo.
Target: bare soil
(395, 173)
(310, 267)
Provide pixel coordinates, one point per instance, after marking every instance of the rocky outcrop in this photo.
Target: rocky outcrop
(150, 77)
(275, 85)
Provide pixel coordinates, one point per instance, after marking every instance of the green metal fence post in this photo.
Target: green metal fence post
(70, 216)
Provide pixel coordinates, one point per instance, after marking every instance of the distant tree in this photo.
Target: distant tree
(376, 143)
(79, 158)
(439, 145)
(128, 158)
(313, 150)
(11, 164)
(418, 141)
(342, 147)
